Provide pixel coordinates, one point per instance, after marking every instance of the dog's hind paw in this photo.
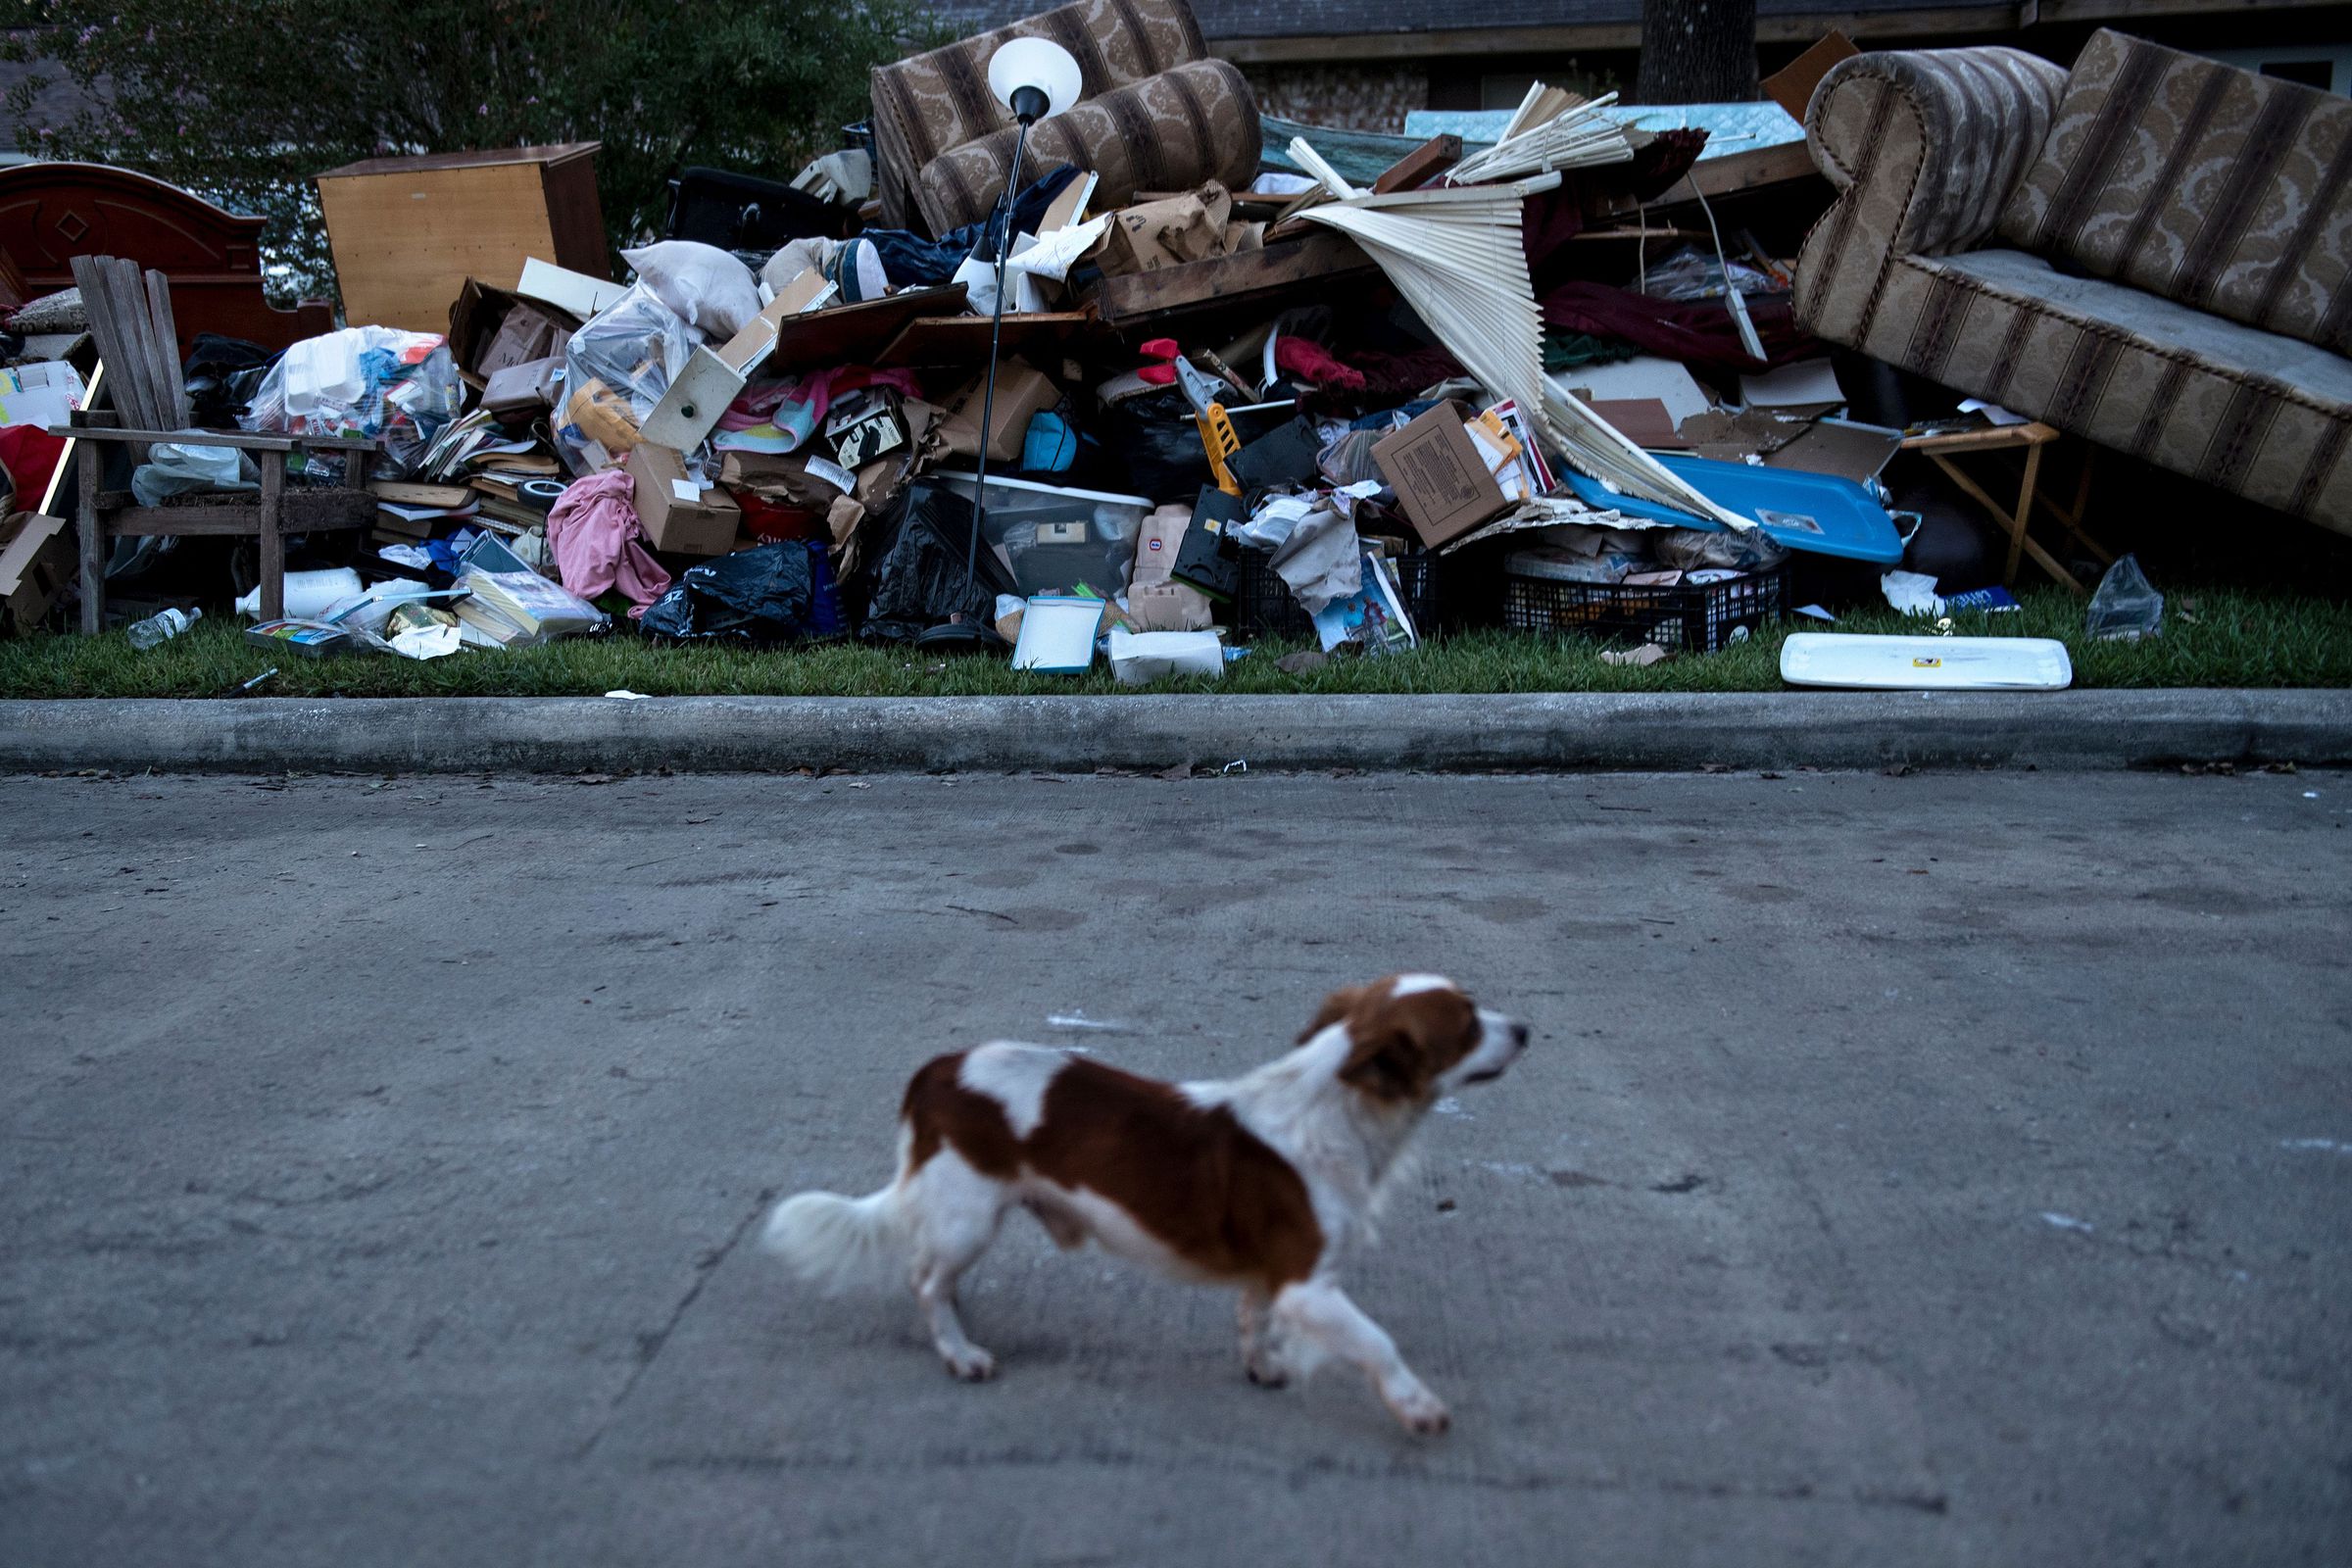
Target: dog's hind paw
(1421, 1412)
(974, 1365)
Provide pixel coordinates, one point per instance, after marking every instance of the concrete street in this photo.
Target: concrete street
(1945, 1170)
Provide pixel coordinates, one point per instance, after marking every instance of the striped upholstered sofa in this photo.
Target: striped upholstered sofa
(2153, 252)
(1156, 114)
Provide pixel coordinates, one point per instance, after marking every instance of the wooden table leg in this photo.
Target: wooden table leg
(90, 458)
(274, 538)
(2024, 519)
(2019, 541)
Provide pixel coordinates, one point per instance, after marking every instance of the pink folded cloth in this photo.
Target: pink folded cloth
(598, 543)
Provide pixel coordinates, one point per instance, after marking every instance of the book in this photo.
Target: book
(522, 607)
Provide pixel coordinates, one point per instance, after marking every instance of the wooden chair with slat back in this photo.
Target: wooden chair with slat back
(139, 370)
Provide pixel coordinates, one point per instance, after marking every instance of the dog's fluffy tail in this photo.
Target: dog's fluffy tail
(841, 1243)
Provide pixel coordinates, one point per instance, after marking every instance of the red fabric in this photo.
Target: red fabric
(29, 454)
(1698, 333)
(1310, 362)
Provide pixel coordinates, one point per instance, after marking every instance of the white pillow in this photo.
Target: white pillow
(699, 283)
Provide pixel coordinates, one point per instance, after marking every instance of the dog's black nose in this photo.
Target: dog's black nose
(1519, 1036)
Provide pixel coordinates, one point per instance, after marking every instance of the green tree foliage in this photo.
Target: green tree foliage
(247, 100)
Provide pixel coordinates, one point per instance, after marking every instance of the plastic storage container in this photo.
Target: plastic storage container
(1697, 617)
(1058, 539)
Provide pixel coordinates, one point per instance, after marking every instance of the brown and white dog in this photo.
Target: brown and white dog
(1261, 1182)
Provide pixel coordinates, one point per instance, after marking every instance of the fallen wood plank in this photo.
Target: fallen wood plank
(1737, 172)
(1419, 167)
(1229, 279)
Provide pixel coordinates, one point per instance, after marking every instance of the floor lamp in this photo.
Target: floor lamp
(1036, 78)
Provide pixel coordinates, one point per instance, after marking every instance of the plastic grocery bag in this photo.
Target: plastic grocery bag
(370, 381)
(2127, 606)
(172, 469)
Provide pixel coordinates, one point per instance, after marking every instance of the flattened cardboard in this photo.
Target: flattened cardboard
(576, 292)
(1792, 86)
(1644, 422)
(704, 526)
(1441, 485)
(1022, 392)
(1841, 447)
(1644, 375)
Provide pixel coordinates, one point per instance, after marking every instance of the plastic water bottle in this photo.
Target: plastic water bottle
(161, 626)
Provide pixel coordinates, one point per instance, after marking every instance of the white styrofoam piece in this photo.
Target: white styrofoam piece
(1926, 664)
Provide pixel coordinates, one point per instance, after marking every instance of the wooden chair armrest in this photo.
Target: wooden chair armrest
(244, 440)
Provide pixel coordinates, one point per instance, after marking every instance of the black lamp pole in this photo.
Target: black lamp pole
(1029, 105)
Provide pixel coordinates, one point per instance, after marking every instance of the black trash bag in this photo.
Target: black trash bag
(1157, 436)
(221, 375)
(761, 595)
(921, 580)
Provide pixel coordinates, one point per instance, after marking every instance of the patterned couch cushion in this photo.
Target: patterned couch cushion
(1168, 133)
(2254, 413)
(936, 102)
(2199, 182)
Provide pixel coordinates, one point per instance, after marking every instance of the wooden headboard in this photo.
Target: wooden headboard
(52, 213)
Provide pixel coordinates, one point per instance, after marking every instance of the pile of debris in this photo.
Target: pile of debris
(1361, 389)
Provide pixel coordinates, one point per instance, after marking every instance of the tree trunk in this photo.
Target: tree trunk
(1697, 52)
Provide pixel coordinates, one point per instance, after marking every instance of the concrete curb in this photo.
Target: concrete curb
(1554, 730)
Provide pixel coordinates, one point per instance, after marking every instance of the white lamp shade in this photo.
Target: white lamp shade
(1038, 63)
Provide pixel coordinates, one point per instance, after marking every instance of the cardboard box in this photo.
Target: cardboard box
(480, 312)
(1441, 485)
(1189, 227)
(679, 516)
(1022, 393)
(522, 391)
(38, 557)
(864, 426)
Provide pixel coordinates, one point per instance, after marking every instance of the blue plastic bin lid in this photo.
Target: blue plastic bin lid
(1821, 513)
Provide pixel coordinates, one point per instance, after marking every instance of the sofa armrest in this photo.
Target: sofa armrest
(1925, 146)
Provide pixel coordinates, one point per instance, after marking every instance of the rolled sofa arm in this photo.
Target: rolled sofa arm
(1926, 146)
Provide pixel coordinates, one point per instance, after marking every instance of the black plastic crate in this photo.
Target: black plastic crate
(1698, 619)
(1262, 606)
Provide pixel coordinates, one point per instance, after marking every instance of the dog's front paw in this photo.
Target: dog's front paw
(1421, 1413)
(972, 1366)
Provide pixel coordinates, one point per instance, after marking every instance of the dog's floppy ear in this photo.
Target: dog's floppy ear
(1403, 1043)
(1387, 1062)
(1339, 1004)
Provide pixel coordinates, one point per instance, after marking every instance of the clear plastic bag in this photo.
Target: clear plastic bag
(370, 381)
(173, 468)
(615, 368)
(2127, 606)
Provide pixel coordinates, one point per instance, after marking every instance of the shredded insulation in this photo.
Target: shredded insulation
(1455, 253)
